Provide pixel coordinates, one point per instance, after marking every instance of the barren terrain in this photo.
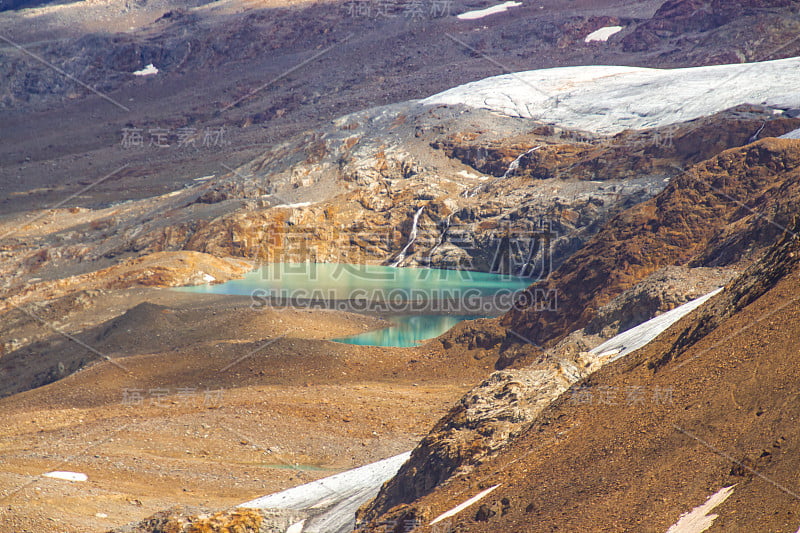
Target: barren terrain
(193, 410)
(276, 120)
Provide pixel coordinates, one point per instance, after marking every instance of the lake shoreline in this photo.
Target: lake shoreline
(422, 303)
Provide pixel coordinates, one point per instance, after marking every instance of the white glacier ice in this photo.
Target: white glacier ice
(609, 99)
(636, 337)
(333, 501)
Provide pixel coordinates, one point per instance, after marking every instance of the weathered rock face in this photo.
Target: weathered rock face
(353, 192)
(504, 405)
(478, 427)
(565, 154)
(240, 520)
(777, 263)
(662, 291)
(373, 171)
(579, 454)
(509, 406)
(697, 27)
(718, 213)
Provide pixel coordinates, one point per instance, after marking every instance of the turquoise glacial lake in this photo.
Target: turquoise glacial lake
(420, 303)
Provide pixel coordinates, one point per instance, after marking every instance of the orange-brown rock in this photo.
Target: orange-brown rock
(719, 212)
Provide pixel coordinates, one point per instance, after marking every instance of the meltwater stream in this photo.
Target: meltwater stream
(420, 303)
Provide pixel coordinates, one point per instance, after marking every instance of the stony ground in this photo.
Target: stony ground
(58, 137)
(183, 415)
(652, 436)
(202, 401)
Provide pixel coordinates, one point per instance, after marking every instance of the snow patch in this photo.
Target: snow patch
(602, 34)
(334, 500)
(610, 99)
(698, 519)
(795, 134)
(292, 206)
(634, 338)
(480, 13)
(609, 353)
(458, 508)
(467, 174)
(296, 527)
(149, 70)
(208, 278)
(67, 476)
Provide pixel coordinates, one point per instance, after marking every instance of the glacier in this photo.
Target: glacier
(610, 99)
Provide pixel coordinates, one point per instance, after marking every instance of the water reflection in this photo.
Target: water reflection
(407, 331)
(421, 303)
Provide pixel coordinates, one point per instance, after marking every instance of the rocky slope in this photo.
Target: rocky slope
(186, 38)
(189, 520)
(359, 189)
(509, 401)
(720, 212)
(618, 451)
(680, 22)
(632, 223)
(211, 56)
(352, 192)
(505, 406)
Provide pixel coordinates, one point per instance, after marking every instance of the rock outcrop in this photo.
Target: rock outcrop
(239, 520)
(502, 407)
(704, 400)
(353, 192)
(720, 212)
(697, 27)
